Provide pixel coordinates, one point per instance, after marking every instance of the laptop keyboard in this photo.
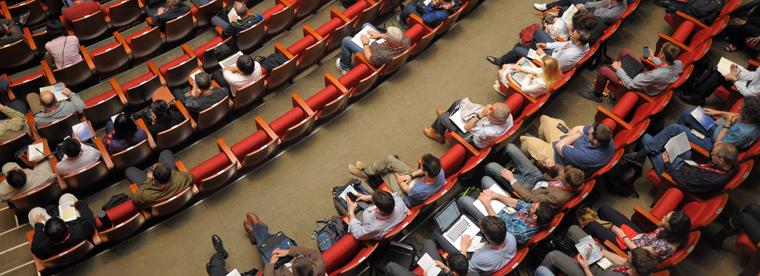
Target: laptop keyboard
(457, 229)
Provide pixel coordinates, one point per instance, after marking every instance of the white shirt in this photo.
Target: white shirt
(69, 165)
(567, 53)
(485, 133)
(748, 83)
(64, 50)
(535, 87)
(238, 80)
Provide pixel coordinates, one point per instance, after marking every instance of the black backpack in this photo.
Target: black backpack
(622, 177)
(333, 229)
(703, 82)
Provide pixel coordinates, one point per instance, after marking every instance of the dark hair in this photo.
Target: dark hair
(241, 12)
(574, 176)
(458, 263)
(71, 147)
(602, 134)
(124, 129)
(161, 109)
(302, 266)
(670, 52)
(493, 229)
(584, 37)
(384, 201)
(643, 261)
(162, 173)
(16, 178)
(751, 109)
(431, 165)
(203, 80)
(56, 230)
(544, 214)
(679, 226)
(54, 29)
(2, 31)
(584, 20)
(245, 64)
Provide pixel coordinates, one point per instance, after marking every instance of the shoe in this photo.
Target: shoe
(251, 272)
(355, 171)
(250, 220)
(492, 60)
(591, 96)
(430, 133)
(359, 165)
(219, 246)
(692, 100)
(337, 64)
(439, 111)
(539, 6)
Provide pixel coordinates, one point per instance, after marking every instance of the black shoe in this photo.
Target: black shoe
(636, 156)
(218, 245)
(208, 268)
(251, 272)
(690, 99)
(492, 60)
(591, 96)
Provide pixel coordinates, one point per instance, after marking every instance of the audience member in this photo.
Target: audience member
(652, 82)
(81, 9)
(456, 264)
(16, 104)
(746, 32)
(375, 223)
(432, 13)
(159, 182)
(558, 4)
(703, 179)
(173, 10)
(415, 185)
(54, 110)
(232, 23)
(608, 11)
(746, 220)
(18, 180)
(500, 246)
(746, 82)
(78, 156)
(663, 242)
(585, 147)
(483, 125)
(52, 235)
(161, 116)
(122, 133)
(567, 53)
(9, 32)
(706, 11)
(63, 48)
(529, 181)
(245, 72)
(540, 80)
(201, 95)
(639, 262)
(13, 125)
(395, 42)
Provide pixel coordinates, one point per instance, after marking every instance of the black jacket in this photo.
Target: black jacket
(80, 230)
(168, 15)
(246, 22)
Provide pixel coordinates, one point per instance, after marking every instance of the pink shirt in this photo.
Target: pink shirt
(64, 56)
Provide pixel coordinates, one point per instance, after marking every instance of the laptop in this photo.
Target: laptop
(453, 225)
(631, 66)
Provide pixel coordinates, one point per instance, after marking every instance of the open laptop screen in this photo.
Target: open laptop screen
(448, 216)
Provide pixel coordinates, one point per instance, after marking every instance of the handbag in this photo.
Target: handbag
(341, 206)
(279, 240)
(526, 34)
(400, 253)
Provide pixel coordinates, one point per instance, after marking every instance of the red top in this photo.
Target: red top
(80, 10)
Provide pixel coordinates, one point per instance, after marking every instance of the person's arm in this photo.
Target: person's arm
(474, 120)
(639, 82)
(619, 232)
(531, 70)
(614, 258)
(584, 265)
(88, 220)
(10, 112)
(268, 269)
(75, 99)
(566, 142)
(485, 197)
(365, 47)
(743, 80)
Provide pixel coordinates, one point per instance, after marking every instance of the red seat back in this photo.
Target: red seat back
(145, 43)
(174, 135)
(15, 55)
(206, 11)
(214, 114)
(111, 60)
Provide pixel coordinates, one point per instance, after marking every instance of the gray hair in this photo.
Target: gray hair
(501, 112)
(394, 35)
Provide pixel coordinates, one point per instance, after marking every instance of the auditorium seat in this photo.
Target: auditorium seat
(281, 19)
(250, 39)
(170, 205)
(305, 8)
(179, 29)
(512, 264)
(303, 118)
(245, 96)
(214, 114)
(447, 24)
(204, 13)
(123, 13)
(745, 245)
(8, 148)
(139, 91)
(126, 219)
(109, 101)
(364, 84)
(72, 255)
(76, 76)
(91, 27)
(215, 172)
(144, 42)
(30, 81)
(176, 71)
(665, 181)
(369, 13)
(111, 57)
(541, 235)
(339, 103)
(132, 155)
(345, 29)
(676, 258)
(17, 54)
(258, 146)
(54, 132)
(87, 177)
(426, 39)
(313, 53)
(283, 73)
(38, 12)
(581, 195)
(387, 6)
(700, 212)
(41, 195)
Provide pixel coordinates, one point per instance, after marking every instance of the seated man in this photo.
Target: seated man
(652, 82)
(80, 9)
(159, 182)
(78, 156)
(585, 147)
(240, 20)
(746, 82)
(525, 222)
(456, 264)
(18, 180)
(173, 9)
(376, 53)
(52, 235)
(640, 262)
(13, 125)
(499, 249)
(435, 12)
(245, 72)
(374, 223)
(704, 179)
(529, 181)
(568, 53)
(54, 110)
(483, 124)
(10, 32)
(415, 185)
(201, 95)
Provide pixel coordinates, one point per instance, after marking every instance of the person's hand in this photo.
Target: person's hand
(515, 67)
(279, 252)
(160, 11)
(373, 34)
(440, 265)
(66, 91)
(485, 197)
(711, 112)
(365, 40)
(40, 218)
(540, 51)
(363, 197)
(351, 205)
(548, 162)
(582, 261)
(507, 174)
(731, 119)
(580, 6)
(740, 21)
(465, 242)
(616, 64)
(540, 45)
(665, 157)
(403, 178)
(619, 232)
(274, 259)
(488, 109)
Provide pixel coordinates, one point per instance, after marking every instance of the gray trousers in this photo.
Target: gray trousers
(467, 203)
(428, 247)
(525, 172)
(387, 168)
(135, 175)
(558, 261)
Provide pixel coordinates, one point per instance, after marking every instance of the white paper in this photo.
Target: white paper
(532, 54)
(496, 204)
(57, 90)
(231, 60)
(428, 265)
(67, 212)
(677, 145)
(35, 152)
(427, 2)
(568, 15)
(589, 249)
(357, 39)
(724, 66)
(349, 189)
(234, 272)
(232, 15)
(82, 131)
(604, 263)
(706, 121)
(457, 119)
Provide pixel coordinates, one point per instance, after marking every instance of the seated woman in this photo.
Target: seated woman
(161, 116)
(671, 233)
(538, 81)
(567, 53)
(122, 133)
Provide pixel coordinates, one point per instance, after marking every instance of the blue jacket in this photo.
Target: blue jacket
(432, 16)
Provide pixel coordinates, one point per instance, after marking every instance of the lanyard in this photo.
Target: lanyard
(525, 220)
(559, 185)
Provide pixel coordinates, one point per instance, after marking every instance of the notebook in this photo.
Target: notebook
(705, 120)
(631, 66)
(677, 145)
(568, 15)
(57, 90)
(35, 152)
(457, 119)
(232, 15)
(590, 250)
(428, 265)
(520, 77)
(358, 40)
(230, 61)
(724, 66)
(496, 204)
(67, 212)
(532, 54)
(82, 131)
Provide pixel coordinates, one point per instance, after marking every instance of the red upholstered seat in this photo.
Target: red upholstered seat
(173, 63)
(324, 96)
(136, 34)
(303, 43)
(291, 118)
(249, 144)
(208, 45)
(356, 9)
(453, 159)
(194, 10)
(329, 27)
(355, 75)
(268, 13)
(104, 48)
(210, 166)
(137, 81)
(415, 32)
(99, 98)
(119, 213)
(340, 252)
(27, 77)
(515, 103)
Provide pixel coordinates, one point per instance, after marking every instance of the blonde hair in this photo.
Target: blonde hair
(551, 70)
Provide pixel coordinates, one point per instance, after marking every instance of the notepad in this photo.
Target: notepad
(677, 145)
(523, 78)
(589, 249)
(705, 120)
(457, 119)
(532, 54)
(67, 212)
(232, 16)
(357, 39)
(82, 131)
(35, 152)
(724, 66)
(231, 60)
(234, 272)
(568, 15)
(496, 204)
(428, 265)
(57, 90)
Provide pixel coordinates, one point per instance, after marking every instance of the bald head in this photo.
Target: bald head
(47, 99)
(725, 154)
(500, 112)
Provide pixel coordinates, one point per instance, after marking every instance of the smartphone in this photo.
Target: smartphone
(562, 128)
(646, 52)
(352, 197)
(697, 134)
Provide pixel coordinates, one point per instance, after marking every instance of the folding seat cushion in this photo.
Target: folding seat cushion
(515, 103)
(355, 75)
(415, 32)
(136, 81)
(622, 109)
(330, 26)
(683, 31)
(136, 34)
(341, 252)
(300, 45)
(287, 120)
(99, 98)
(268, 13)
(104, 48)
(199, 52)
(356, 9)
(118, 214)
(249, 144)
(210, 166)
(175, 62)
(324, 96)
(453, 159)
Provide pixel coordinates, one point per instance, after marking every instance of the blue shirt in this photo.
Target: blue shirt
(423, 189)
(584, 155)
(740, 134)
(518, 224)
(488, 260)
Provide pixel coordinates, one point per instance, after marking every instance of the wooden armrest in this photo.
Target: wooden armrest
(87, 58)
(684, 16)
(699, 150)
(180, 166)
(615, 249)
(753, 64)
(417, 19)
(644, 96)
(330, 79)
(140, 4)
(223, 147)
(182, 109)
(119, 38)
(334, 12)
(117, 88)
(149, 21)
(154, 69)
(669, 179)
(29, 39)
(31, 124)
(648, 65)
(48, 72)
(362, 59)
(308, 30)
(299, 102)
(606, 112)
(103, 152)
(261, 124)
(646, 214)
(667, 38)
(279, 48)
(465, 144)
(511, 83)
(188, 51)
(151, 142)
(133, 187)
(6, 12)
(218, 30)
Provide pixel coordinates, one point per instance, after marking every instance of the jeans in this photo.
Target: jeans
(407, 11)
(543, 271)
(525, 172)
(467, 203)
(218, 21)
(750, 221)
(517, 52)
(558, 261)
(443, 243)
(216, 265)
(443, 122)
(562, 3)
(135, 175)
(261, 234)
(540, 36)
(347, 50)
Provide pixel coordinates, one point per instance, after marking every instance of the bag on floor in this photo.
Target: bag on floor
(400, 253)
(279, 240)
(333, 229)
(526, 34)
(340, 203)
(272, 61)
(622, 177)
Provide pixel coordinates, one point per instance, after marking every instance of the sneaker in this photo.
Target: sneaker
(355, 171)
(432, 135)
(591, 96)
(539, 6)
(337, 64)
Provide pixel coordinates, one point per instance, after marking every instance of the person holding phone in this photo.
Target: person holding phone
(374, 223)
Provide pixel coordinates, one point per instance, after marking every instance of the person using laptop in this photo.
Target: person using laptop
(77, 156)
(374, 223)
(481, 125)
(454, 264)
(528, 180)
(415, 185)
(640, 262)
(652, 82)
(243, 73)
(498, 249)
(52, 234)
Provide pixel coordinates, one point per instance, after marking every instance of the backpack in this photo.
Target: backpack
(333, 229)
(622, 177)
(340, 204)
(701, 85)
